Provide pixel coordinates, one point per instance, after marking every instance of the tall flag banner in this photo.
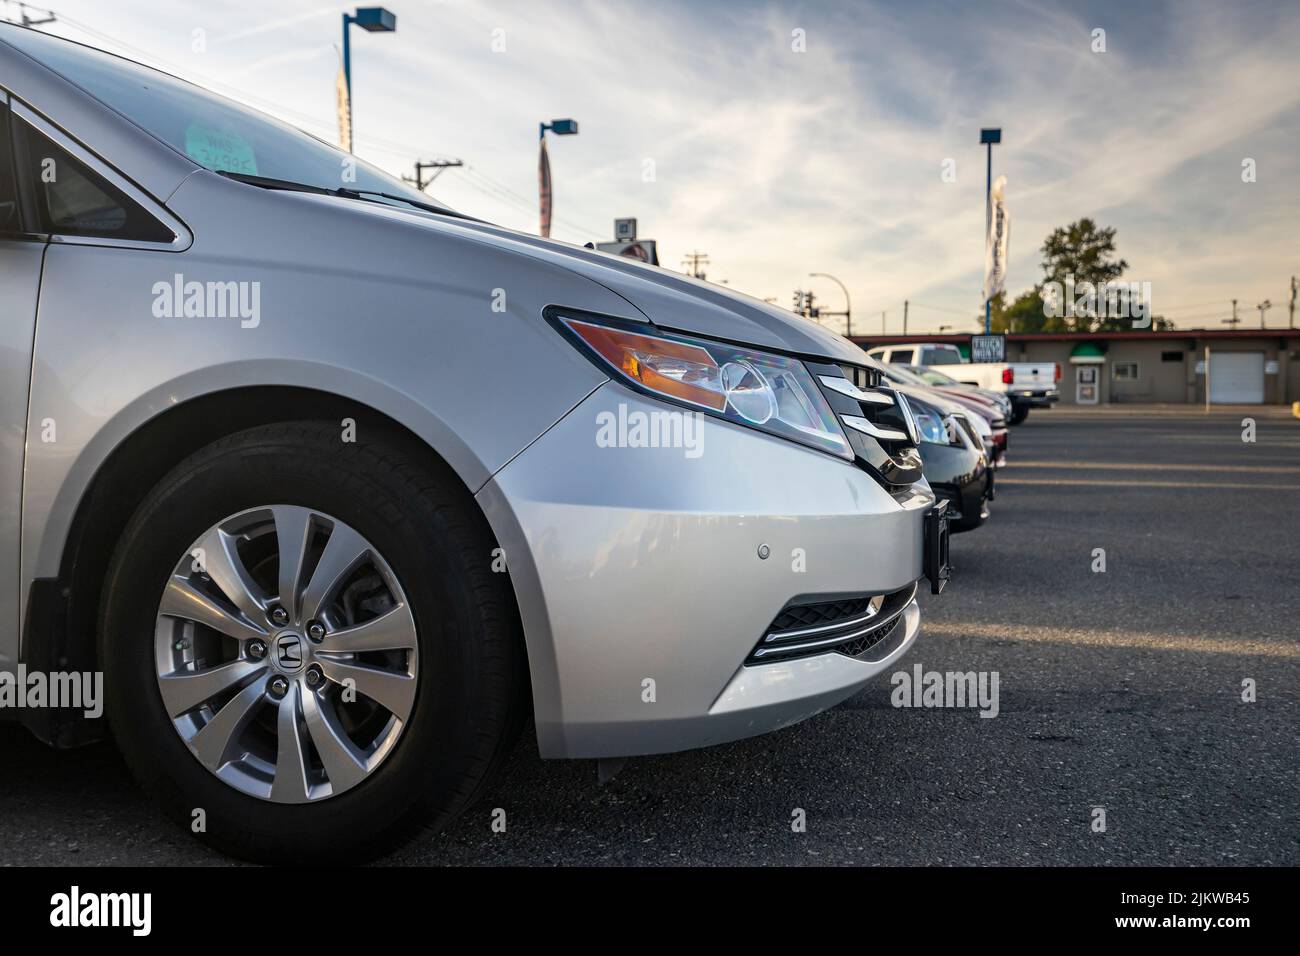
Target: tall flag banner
(544, 188)
(997, 241)
(344, 108)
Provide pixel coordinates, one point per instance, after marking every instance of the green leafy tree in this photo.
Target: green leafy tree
(1083, 250)
(1024, 314)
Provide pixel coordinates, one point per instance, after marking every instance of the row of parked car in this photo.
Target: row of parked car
(963, 426)
(333, 527)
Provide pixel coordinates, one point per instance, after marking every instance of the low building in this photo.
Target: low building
(1246, 366)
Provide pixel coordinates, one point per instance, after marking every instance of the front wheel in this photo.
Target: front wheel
(1019, 413)
(306, 651)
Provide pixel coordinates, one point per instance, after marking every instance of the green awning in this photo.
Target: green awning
(1087, 353)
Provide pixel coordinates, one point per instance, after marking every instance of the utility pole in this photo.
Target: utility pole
(805, 305)
(904, 316)
(1291, 321)
(882, 323)
(31, 21)
(1263, 310)
(693, 261)
(848, 304)
(1234, 320)
(438, 165)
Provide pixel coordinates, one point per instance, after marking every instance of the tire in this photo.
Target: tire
(1019, 413)
(469, 692)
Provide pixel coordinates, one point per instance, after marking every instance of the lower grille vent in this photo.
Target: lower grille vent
(850, 626)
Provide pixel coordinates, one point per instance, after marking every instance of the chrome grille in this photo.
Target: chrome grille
(875, 421)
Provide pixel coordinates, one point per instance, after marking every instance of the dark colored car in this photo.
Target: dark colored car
(954, 458)
(988, 418)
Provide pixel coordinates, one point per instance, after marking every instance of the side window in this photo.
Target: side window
(71, 199)
(10, 221)
(901, 357)
(877, 354)
(942, 357)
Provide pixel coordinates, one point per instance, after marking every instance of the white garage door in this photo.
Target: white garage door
(1236, 378)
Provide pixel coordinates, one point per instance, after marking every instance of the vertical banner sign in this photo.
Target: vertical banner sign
(995, 244)
(343, 107)
(544, 187)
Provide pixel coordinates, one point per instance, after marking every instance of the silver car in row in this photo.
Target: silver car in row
(337, 486)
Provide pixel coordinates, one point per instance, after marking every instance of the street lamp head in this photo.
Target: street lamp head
(989, 136)
(375, 19)
(563, 127)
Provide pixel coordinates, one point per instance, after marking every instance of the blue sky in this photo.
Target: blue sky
(778, 163)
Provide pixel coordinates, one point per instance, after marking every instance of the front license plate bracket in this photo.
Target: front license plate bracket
(935, 560)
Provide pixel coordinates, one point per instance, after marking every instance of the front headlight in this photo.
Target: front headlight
(769, 392)
(931, 424)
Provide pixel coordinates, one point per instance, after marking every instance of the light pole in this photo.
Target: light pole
(1263, 310)
(987, 138)
(560, 127)
(372, 20)
(848, 305)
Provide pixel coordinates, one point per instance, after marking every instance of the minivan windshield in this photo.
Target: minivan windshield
(211, 130)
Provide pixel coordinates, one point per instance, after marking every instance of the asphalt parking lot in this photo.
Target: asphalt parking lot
(1120, 690)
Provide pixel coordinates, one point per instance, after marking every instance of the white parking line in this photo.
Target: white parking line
(1093, 638)
(1117, 483)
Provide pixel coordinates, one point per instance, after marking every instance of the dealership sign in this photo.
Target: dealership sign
(988, 348)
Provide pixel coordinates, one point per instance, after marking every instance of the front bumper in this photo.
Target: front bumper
(642, 590)
(959, 474)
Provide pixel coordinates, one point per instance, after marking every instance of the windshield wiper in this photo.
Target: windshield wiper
(267, 182)
(396, 197)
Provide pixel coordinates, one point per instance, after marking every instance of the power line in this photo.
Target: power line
(940, 308)
(697, 259)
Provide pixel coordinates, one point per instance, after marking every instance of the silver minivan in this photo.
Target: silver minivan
(338, 487)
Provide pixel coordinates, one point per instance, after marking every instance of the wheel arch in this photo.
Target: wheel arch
(60, 619)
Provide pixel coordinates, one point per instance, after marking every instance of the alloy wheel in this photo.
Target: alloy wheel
(286, 654)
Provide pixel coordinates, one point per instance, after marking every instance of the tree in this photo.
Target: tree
(1083, 250)
(1085, 253)
(1024, 314)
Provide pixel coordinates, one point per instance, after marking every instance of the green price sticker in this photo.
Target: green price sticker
(219, 149)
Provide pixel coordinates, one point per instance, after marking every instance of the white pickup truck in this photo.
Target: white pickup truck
(1027, 384)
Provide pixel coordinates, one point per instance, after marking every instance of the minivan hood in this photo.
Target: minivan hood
(668, 299)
